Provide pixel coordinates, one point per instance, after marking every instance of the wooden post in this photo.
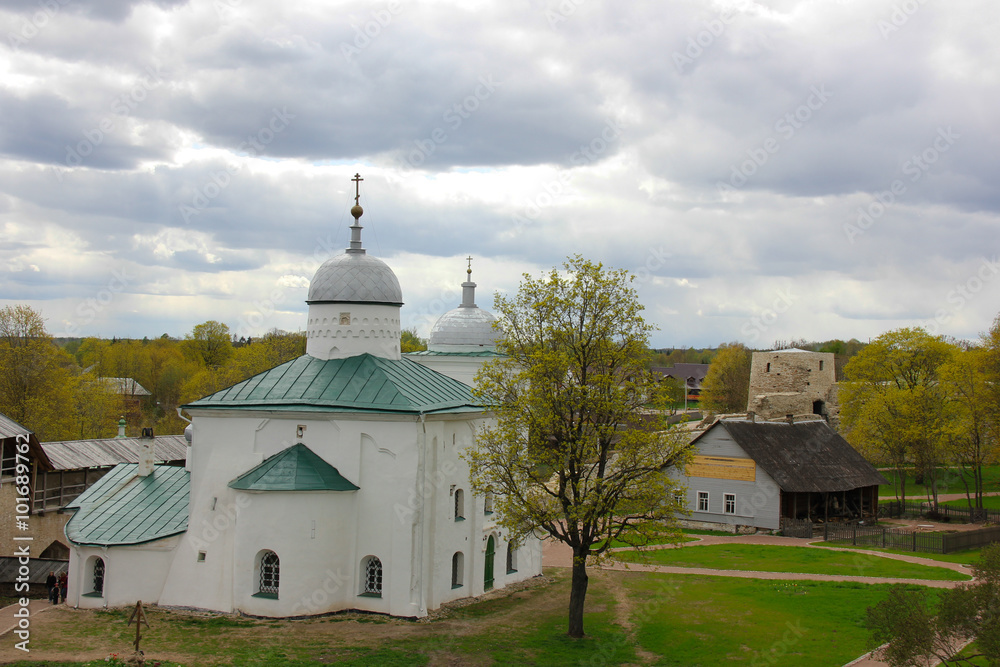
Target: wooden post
(139, 616)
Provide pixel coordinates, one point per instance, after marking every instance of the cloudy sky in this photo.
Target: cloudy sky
(768, 169)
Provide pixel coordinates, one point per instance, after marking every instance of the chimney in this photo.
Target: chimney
(121, 428)
(146, 452)
(752, 416)
(790, 419)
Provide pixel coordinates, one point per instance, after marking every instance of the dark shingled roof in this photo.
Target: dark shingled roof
(804, 457)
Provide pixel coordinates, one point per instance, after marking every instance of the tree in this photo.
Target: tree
(917, 632)
(571, 453)
(410, 341)
(893, 404)
(726, 386)
(973, 422)
(674, 392)
(209, 341)
(35, 382)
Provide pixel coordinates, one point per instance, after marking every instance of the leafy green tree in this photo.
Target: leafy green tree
(674, 391)
(726, 386)
(893, 404)
(974, 440)
(409, 341)
(915, 631)
(97, 408)
(35, 378)
(210, 342)
(572, 453)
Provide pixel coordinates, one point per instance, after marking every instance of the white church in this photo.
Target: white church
(331, 482)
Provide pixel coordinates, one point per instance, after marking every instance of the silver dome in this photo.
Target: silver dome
(355, 277)
(464, 326)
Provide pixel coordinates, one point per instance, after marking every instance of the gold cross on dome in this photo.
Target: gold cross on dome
(357, 187)
(470, 264)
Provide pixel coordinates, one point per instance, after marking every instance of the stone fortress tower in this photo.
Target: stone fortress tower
(793, 382)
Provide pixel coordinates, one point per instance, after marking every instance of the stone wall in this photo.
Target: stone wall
(44, 529)
(793, 382)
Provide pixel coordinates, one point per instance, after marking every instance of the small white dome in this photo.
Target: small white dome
(355, 277)
(464, 326)
(468, 325)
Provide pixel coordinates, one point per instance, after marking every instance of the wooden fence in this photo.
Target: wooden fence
(897, 508)
(906, 540)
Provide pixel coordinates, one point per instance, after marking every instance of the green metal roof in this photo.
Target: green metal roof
(297, 468)
(361, 383)
(122, 508)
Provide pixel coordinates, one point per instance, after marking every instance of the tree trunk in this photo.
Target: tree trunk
(578, 592)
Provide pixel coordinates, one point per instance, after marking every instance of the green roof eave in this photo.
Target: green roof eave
(297, 468)
(364, 383)
(297, 407)
(125, 509)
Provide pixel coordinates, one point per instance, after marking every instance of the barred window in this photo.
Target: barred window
(372, 583)
(511, 559)
(99, 576)
(269, 570)
(488, 502)
(459, 505)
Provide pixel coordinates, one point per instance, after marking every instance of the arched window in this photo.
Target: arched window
(268, 574)
(511, 559)
(371, 572)
(459, 505)
(488, 502)
(457, 569)
(99, 576)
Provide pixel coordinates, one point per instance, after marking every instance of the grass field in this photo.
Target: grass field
(632, 618)
(766, 558)
(966, 557)
(989, 502)
(949, 481)
(709, 621)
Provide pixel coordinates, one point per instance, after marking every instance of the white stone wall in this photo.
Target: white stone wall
(341, 330)
(408, 470)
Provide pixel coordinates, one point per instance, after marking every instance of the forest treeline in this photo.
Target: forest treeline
(75, 391)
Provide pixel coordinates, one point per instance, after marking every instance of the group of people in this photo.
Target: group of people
(57, 586)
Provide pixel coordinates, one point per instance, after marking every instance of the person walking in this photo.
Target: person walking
(63, 585)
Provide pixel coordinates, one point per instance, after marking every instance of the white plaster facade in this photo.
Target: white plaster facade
(431, 547)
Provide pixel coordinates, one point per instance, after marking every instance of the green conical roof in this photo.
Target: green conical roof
(297, 468)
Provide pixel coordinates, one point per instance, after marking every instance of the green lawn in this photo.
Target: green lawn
(708, 621)
(766, 558)
(632, 618)
(949, 481)
(966, 557)
(989, 502)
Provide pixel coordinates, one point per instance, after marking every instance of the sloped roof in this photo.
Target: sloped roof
(122, 508)
(804, 457)
(361, 383)
(106, 452)
(11, 429)
(297, 468)
(126, 386)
